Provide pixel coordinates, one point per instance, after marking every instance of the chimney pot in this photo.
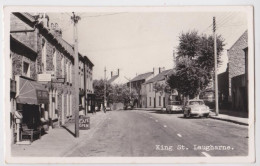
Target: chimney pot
(111, 74)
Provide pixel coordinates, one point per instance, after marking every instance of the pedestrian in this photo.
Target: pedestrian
(81, 111)
(105, 109)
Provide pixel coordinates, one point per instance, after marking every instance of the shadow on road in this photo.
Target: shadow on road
(194, 117)
(72, 133)
(164, 112)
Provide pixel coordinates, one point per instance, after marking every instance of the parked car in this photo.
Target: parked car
(174, 106)
(128, 107)
(195, 108)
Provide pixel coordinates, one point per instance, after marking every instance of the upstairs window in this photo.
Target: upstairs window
(62, 66)
(26, 69)
(67, 72)
(54, 61)
(43, 55)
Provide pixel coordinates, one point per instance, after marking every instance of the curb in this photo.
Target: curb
(212, 117)
(79, 141)
(229, 120)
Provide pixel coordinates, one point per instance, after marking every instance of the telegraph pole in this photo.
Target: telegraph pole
(105, 88)
(215, 66)
(75, 20)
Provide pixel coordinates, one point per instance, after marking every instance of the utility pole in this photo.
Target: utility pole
(105, 88)
(75, 20)
(215, 66)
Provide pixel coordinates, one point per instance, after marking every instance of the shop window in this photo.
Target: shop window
(70, 104)
(67, 111)
(26, 69)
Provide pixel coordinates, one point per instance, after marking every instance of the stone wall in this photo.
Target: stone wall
(236, 58)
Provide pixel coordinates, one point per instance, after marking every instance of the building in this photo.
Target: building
(233, 84)
(42, 68)
(238, 73)
(117, 79)
(136, 83)
(154, 90)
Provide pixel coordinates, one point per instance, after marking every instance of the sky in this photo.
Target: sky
(135, 43)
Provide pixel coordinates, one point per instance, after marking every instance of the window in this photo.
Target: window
(67, 112)
(26, 69)
(70, 104)
(67, 71)
(43, 55)
(62, 66)
(54, 61)
(70, 73)
(150, 101)
(159, 100)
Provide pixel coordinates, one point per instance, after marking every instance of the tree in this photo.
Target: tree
(189, 79)
(98, 86)
(195, 63)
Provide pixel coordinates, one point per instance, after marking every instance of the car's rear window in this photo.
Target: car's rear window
(196, 103)
(175, 103)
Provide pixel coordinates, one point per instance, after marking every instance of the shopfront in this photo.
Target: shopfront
(32, 102)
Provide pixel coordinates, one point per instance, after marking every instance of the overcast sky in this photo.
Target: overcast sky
(137, 42)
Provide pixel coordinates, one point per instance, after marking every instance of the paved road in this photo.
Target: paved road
(153, 133)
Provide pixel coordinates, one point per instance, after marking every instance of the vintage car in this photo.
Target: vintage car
(174, 106)
(195, 108)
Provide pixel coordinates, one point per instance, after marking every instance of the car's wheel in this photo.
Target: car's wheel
(206, 116)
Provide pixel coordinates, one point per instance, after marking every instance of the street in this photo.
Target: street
(136, 133)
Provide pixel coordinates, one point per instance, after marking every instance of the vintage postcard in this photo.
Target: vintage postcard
(129, 84)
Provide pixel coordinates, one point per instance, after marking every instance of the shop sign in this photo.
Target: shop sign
(84, 123)
(44, 77)
(42, 96)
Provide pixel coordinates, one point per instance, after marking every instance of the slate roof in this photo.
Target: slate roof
(160, 76)
(142, 76)
(68, 47)
(113, 78)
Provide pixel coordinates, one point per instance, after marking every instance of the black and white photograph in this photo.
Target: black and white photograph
(129, 84)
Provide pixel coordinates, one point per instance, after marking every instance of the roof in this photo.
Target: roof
(160, 76)
(142, 76)
(113, 78)
(68, 47)
(237, 40)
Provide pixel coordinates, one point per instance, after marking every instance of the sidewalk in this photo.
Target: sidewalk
(58, 141)
(224, 115)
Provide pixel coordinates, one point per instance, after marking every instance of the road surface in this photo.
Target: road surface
(137, 133)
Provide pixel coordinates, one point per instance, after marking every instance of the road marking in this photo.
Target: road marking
(206, 154)
(179, 135)
(156, 120)
(164, 126)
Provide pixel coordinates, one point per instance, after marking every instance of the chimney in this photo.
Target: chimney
(155, 71)
(56, 30)
(111, 74)
(161, 69)
(118, 72)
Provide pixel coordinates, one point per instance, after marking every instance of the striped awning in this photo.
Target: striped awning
(32, 92)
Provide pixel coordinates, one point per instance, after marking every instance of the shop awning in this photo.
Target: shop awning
(31, 92)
